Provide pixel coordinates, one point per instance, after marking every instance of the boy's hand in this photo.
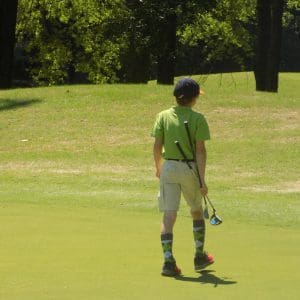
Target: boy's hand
(204, 189)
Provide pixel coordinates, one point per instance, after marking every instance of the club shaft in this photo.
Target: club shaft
(183, 154)
(210, 203)
(186, 125)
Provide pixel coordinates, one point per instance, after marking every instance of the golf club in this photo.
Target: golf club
(215, 219)
(205, 210)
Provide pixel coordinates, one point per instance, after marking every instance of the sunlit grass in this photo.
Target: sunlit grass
(78, 211)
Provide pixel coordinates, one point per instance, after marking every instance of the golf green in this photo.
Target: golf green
(70, 252)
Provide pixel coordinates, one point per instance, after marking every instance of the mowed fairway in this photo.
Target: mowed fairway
(78, 216)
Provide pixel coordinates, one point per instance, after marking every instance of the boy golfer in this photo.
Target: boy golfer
(174, 174)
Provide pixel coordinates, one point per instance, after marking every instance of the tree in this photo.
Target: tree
(291, 37)
(156, 25)
(136, 40)
(268, 49)
(8, 16)
(164, 39)
(218, 38)
(136, 57)
(72, 40)
(172, 15)
(152, 37)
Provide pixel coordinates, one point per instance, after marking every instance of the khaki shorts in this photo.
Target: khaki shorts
(177, 178)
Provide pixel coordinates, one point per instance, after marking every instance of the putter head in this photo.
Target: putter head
(215, 219)
(205, 212)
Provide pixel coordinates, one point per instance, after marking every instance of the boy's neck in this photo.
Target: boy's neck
(185, 106)
(189, 105)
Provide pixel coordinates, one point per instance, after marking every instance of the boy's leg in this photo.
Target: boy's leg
(169, 268)
(193, 196)
(169, 219)
(169, 200)
(202, 259)
(198, 231)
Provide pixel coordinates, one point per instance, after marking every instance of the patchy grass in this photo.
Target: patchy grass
(78, 193)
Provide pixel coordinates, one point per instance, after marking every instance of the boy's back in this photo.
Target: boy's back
(170, 127)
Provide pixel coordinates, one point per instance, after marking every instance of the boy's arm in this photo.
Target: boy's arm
(201, 163)
(157, 153)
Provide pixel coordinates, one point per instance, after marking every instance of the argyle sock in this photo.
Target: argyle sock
(166, 242)
(199, 236)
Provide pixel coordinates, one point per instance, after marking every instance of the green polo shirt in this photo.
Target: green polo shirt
(169, 126)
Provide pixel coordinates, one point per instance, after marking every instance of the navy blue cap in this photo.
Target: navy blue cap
(186, 88)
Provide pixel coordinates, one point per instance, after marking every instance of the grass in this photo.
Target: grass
(78, 193)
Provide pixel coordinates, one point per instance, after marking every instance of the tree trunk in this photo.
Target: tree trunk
(275, 45)
(136, 61)
(263, 15)
(8, 16)
(136, 64)
(268, 48)
(167, 55)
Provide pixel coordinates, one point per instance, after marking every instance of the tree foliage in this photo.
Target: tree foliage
(154, 33)
(65, 38)
(136, 40)
(222, 32)
(291, 37)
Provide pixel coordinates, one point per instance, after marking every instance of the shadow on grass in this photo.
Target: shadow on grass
(7, 104)
(207, 278)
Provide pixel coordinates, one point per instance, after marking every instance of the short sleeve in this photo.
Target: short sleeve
(158, 127)
(202, 130)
